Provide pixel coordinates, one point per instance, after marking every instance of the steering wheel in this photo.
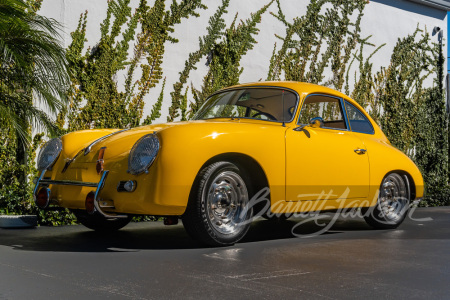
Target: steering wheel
(264, 114)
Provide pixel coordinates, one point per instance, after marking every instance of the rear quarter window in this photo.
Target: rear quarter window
(358, 122)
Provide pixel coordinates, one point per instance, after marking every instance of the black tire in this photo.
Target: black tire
(99, 223)
(393, 203)
(202, 219)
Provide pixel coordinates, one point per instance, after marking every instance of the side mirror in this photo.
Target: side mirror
(316, 122)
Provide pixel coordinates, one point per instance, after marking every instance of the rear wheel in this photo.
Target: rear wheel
(97, 222)
(217, 213)
(393, 203)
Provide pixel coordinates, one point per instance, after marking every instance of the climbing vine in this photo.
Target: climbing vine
(206, 44)
(324, 38)
(412, 116)
(324, 46)
(225, 56)
(96, 101)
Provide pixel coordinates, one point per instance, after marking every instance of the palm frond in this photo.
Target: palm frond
(33, 69)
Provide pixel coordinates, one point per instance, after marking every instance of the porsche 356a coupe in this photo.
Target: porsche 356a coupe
(301, 147)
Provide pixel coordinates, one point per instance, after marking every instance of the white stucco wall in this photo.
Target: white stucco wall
(385, 20)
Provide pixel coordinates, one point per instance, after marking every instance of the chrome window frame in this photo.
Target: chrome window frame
(364, 115)
(343, 111)
(256, 87)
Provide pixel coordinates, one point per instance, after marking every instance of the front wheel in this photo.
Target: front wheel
(393, 203)
(217, 213)
(99, 223)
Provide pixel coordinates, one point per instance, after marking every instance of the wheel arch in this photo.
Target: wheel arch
(252, 167)
(411, 184)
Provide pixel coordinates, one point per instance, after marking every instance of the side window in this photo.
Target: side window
(358, 122)
(328, 108)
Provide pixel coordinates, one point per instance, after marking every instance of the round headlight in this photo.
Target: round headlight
(143, 154)
(49, 153)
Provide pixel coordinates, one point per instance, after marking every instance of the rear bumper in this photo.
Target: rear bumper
(45, 182)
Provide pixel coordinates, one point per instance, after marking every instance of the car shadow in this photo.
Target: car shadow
(154, 236)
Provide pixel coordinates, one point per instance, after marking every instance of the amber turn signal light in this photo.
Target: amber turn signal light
(90, 207)
(100, 161)
(43, 197)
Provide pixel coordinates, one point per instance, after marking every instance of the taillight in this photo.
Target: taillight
(90, 207)
(43, 197)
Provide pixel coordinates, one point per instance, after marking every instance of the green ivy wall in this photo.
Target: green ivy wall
(140, 62)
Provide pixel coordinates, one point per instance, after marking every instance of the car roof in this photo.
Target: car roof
(302, 88)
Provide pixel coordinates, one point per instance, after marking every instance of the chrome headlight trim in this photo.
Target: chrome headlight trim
(49, 153)
(143, 154)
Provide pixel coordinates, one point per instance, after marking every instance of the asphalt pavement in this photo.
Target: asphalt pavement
(152, 261)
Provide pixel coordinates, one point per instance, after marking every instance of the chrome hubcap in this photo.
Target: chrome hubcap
(226, 200)
(393, 197)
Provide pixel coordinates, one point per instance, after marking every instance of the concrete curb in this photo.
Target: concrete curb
(22, 221)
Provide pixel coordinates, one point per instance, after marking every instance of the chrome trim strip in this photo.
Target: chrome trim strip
(70, 160)
(35, 190)
(344, 112)
(88, 148)
(68, 182)
(37, 184)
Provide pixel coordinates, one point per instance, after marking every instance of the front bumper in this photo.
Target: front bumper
(44, 182)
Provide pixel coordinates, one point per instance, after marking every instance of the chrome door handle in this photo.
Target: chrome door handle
(360, 151)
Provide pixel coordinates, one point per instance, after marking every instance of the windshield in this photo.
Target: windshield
(253, 103)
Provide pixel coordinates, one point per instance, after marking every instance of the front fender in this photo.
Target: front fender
(185, 149)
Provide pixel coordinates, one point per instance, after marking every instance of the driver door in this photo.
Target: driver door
(321, 162)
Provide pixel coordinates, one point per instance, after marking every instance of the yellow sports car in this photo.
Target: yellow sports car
(268, 148)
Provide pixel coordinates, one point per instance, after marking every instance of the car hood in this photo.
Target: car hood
(119, 142)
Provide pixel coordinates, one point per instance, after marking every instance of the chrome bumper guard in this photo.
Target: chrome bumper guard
(41, 181)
